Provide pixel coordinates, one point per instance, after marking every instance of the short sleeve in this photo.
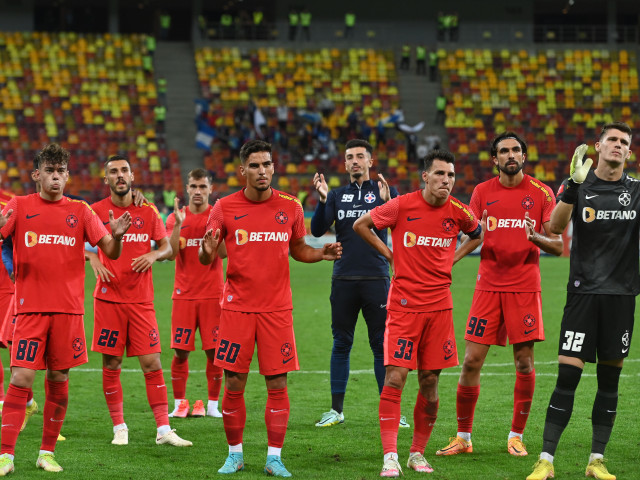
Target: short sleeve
(298, 229)
(216, 219)
(386, 216)
(94, 229)
(475, 204)
(159, 232)
(467, 220)
(548, 206)
(171, 220)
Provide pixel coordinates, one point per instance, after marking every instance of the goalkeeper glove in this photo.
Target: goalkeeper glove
(579, 170)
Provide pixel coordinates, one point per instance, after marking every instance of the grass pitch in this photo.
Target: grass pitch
(348, 451)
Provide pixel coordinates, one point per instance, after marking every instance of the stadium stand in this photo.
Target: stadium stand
(307, 103)
(94, 94)
(557, 97)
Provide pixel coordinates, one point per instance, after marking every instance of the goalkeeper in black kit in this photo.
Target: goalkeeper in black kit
(597, 323)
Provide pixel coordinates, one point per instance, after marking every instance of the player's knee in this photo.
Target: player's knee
(608, 377)
(568, 377)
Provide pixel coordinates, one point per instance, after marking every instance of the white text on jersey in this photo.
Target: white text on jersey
(589, 214)
(493, 223)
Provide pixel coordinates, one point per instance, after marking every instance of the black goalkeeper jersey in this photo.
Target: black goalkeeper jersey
(604, 248)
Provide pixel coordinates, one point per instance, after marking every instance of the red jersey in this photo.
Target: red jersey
(128, 286)
(193, 280)
(424, 244)
(257, 237)
(6, 285)
(48, 244)
(509, 262)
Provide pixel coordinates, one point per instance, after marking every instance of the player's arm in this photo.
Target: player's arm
(111, 245)
(222, 250)
(4, 218)
(174, 238)
(99, 270)
(549, 242)
(7, 256)
(364, 226)
(561, 215)
(302, 252)
(323, 215)
(209, 247)
(471, 240)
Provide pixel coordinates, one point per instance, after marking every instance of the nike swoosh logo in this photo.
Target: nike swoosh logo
(241, 216)
(447, 357)
(161, 386)
(54, 420)
(357, 206)
(106, 223)
(411, 219)
(491, 203)
(625, 350)
(462, 418)
(186, 226)
(523, 413)
(286, 360)
(527, 332)
(75, 356)
(383, 306)
(556, 408)
(153, 344)
(589, 197)
(224, 412)
(32, 216)
(611, 411)
(383, 419)
(277, 411)
(7, 425)
(109, 393)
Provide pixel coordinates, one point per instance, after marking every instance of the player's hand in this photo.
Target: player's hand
(332, 251)
(138, 197)
(5, 218)
(383, 186)
(143, 262)
(579, 170)
(483, 222)
(321, 186)
(178, 213)
(210, 241)
(99, 270)
(119, 226)
(529, 227)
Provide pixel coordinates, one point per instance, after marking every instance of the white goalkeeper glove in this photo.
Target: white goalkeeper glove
(579, 170)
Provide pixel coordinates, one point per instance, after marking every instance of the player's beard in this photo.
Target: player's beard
(510, 170)
(356, 175)
(121, 193)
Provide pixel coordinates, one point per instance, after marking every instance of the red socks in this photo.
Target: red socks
(234, 415)
(112, 390)
(214, 380)
(389, 415)
(276, 416)
(55, 409)
(425, 414)
(1, 382)
(466, 399)
(179, 376)
(157, 396)
(522, 398)
(15, 403)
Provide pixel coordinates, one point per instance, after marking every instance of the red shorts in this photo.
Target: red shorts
(496, 315)
(7, 309)
(189, 315)
(272, 332)
(53, 341)
(425, 340)
(117, 325)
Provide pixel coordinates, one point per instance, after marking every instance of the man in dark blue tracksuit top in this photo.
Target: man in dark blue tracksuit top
(361, 277)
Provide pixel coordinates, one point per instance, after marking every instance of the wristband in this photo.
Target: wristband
(570, 193)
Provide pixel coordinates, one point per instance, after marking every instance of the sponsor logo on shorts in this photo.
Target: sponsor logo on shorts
(154, 338)
(137, 222)
(625, 341)
(78, 346)
(449, 349)
(287, 352)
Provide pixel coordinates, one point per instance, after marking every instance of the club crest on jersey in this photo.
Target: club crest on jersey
(77, 344)
(281, 217)
(137, 222)
(624, 199)
(527, 203)
(370, 197)
(529, 320)
(72, 221)
(448, 224)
